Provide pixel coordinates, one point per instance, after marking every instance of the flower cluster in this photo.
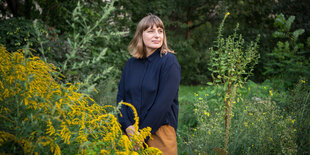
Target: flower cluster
(38, 114)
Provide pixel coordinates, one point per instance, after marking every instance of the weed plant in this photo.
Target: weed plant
(231, 62)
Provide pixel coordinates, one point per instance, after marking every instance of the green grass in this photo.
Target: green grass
(187, 118)
(186, 93)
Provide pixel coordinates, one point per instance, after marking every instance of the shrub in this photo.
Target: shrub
(288, 60)
(17, 33)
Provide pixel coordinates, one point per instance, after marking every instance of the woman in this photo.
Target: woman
(150, 82)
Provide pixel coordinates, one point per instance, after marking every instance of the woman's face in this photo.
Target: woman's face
(153, 38)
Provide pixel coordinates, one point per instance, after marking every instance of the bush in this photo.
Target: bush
(288, 60)
(17, 33)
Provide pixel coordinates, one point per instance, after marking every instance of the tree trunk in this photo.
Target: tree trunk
(13, 5)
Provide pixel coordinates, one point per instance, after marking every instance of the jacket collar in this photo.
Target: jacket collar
(153, 55)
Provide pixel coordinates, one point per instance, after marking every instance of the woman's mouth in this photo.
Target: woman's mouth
(156, 41)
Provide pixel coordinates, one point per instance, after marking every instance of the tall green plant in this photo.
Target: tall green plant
(231, 63)
(86, 47)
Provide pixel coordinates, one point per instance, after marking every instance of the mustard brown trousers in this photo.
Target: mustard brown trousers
(165, 140)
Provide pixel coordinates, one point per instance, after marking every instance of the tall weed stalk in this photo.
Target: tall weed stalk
(231, 63)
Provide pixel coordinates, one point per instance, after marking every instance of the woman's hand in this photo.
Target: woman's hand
(131, 131)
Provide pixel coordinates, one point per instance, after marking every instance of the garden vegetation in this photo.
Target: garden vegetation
(245, 75)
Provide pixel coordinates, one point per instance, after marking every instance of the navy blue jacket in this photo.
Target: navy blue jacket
(150, 84)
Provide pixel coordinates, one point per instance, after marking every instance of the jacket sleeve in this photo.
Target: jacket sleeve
(124, 119)
(168, 87)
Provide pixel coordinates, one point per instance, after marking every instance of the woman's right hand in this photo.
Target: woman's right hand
(131, 131)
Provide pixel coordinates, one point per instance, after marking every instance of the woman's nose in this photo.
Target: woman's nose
(156, 34)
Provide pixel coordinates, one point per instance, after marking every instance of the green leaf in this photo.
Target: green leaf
(278, 34)
(210, 83)
(297, 33)
(217, 80)
(279, 21)
(289, 22)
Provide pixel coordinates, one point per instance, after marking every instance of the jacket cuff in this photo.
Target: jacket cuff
(124, 125)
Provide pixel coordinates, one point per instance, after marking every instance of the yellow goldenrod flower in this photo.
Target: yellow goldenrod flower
(103, 151)
(293, 121)
(67, 117)
(227, 13)
(134, 153)
(270, 92)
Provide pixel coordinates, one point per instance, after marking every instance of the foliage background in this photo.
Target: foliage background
(191, 26)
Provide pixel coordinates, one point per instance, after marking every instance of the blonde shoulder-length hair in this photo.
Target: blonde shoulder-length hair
(136, 47)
